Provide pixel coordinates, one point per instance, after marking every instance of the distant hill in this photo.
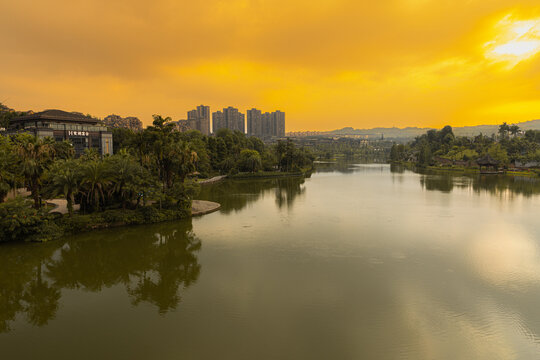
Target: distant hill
(130, 122)
(411, 132)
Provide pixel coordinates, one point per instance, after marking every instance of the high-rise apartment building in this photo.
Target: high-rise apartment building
(254, 122)
(218, 121)
(199, 119)
(230, 119)
(266, 125)
(278, 123)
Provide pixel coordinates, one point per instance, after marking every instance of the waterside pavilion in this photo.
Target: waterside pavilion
(488, 165)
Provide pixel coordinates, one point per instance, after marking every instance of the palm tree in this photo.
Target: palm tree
(187, 158)
(65, 180)
(35, 156)
(63, 150)
(504, 129)
(127, 177)
(514, 129)
(95, 179)
(8, 177)
(140, 145)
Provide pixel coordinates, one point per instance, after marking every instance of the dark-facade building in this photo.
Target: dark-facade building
(82, 131)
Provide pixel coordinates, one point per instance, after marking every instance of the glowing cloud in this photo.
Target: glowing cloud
(327, 63)
(517, 40)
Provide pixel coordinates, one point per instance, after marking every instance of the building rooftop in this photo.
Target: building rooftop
(57, 115)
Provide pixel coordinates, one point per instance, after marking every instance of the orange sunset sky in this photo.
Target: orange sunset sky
(326, 63)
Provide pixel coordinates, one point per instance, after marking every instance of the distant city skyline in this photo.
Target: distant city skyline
(257, 123)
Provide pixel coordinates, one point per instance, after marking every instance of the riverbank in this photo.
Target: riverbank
(20, 222)
(213, 180)
(465, 169)
(48, 224)
(272, 174)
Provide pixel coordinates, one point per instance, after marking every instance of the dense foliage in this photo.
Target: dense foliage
(509, 146)
(151, 169)
(6, 114)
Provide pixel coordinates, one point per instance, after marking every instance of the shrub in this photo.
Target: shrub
(19, 221)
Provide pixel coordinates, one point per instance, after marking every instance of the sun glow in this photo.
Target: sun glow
(518, 40)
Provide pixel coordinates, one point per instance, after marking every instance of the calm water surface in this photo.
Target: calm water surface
(357, 262)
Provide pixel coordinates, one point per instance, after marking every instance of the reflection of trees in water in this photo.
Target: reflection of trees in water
(41, 298)
(439, 183)
(152, 262)
(23, 288)
(397, 172)
(234, 195)
(495, 184)
(397, 169)
(342, 167)
(492, 184)
(348, 167)
(173, 265)
(288, 190)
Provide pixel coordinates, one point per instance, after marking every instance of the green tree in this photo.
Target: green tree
(498, 153)
(122, 138)
(65, 180)
(35, 156)
(425, 155)
(8, 162)
(513, 129)
(129, 178)
(96, 177)
(63, 150)
(250, 160)
(504, 129)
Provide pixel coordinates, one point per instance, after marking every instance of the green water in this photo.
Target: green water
(356, 262)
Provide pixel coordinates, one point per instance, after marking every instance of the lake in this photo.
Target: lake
(355, 262)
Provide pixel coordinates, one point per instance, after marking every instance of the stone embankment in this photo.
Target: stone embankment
(201, 207)
(213, 180)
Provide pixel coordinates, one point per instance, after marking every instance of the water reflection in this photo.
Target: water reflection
(437, 183)
(153, 263)
(234, 195)
(505, 255)
(340, 166)
(493, 184)
(344, 167)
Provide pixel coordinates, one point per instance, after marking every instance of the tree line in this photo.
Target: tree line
(508, 146)
(154, 166)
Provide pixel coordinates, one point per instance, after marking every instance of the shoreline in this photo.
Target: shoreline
(468, 170)
(212, 180)
(270, 175)
(203, 207)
